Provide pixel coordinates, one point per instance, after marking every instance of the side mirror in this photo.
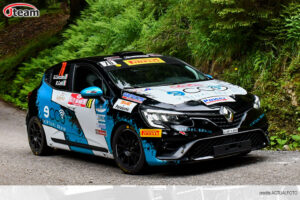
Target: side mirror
(91, 92)
(209, 76)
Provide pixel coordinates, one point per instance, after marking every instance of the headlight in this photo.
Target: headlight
(256, 104)
(156, 118)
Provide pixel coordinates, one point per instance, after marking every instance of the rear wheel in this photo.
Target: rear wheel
(37, 138)
(128, 150)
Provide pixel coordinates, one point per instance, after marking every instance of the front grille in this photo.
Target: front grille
(239, 110)
(221, 121)
(204, 147)
(218, 119)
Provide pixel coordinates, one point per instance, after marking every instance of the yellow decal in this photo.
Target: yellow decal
(150, 133)
(141, 61)
(118, 65)
(89, 103)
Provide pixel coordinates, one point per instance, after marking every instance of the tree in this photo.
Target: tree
(75, 7)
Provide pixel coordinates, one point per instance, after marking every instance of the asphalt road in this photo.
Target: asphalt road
(19, 166)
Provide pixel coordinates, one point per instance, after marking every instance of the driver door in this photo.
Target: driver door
(91, 113)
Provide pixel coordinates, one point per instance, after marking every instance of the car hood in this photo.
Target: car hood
(195, 91)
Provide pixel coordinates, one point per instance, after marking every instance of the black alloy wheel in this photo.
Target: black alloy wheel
(128, 150)
(37, 138)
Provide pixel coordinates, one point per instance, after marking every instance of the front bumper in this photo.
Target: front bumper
(219, 146)
(208, 135)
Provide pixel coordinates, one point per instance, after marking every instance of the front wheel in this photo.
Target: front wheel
(128, 151)
(37, 138)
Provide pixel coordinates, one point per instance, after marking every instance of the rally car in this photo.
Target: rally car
(142, 110)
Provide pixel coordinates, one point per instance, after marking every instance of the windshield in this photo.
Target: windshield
(155, 75)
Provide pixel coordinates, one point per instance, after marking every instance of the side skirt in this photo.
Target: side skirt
(79, 145)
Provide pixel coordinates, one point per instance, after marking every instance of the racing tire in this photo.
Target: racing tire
(37, 138)
(128, 150)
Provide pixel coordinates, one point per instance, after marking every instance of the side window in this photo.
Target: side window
(48, 75)
(85, 77)
(61, 76)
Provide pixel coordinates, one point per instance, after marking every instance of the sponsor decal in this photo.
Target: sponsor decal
(185, 85)
(57, 77)
(91, 92)
(14, 10)
(230, 131)
(133, 97)
(108, 63)
(214, 100)
(61, 76)
(143, 61)
(207, 89)
(112, 58)
(61, 83)
(62, 113)
(89, 103)
(257, 120)
(61, 97)
(196, 87)
(101, 109)
(100, 132)
(125, 106)
(218, 87)
(151, 133)
(101, 125)
(176, 93)
(77, 100)
(101, 118)
(55, 125)
(191, 90)
(187, 129)
(200, 130)
(182, 133)
(54, 115)
(46, 111)
(136, 56)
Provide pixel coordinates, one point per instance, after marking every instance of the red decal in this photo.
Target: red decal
(182, 133)
(63, 68)
(77, 100)
(185, 85)
(100, 132)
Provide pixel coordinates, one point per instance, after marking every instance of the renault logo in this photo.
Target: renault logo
(228, 114)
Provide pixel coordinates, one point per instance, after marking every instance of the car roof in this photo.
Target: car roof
(120, 57)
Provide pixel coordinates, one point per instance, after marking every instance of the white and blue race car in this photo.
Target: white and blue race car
(142, 110)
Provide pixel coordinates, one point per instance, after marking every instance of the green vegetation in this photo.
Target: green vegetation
(9, 64)
(254, 44)
(18, 42)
